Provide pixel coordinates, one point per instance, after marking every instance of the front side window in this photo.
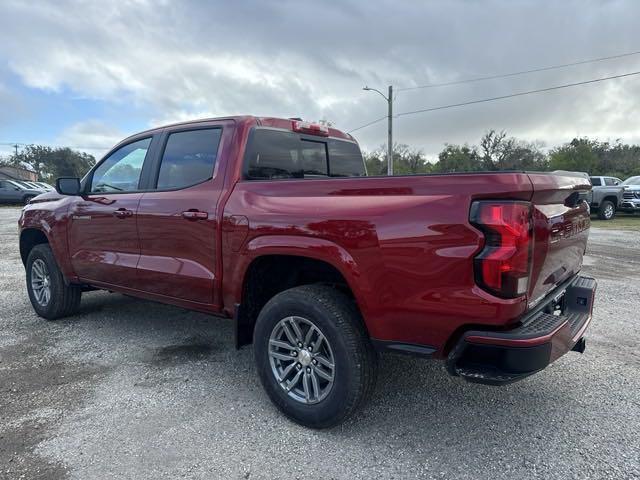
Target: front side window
(120, 172)
(189, 158)
(610, 182)
(273, 154)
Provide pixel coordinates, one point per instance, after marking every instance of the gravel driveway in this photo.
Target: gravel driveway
(133, 389)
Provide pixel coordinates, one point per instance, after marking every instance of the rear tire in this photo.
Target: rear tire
(340, 386)
(27, 199)
(50, 297)
(607, 210)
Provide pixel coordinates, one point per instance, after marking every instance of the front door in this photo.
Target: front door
(103, 235)
(177, 222)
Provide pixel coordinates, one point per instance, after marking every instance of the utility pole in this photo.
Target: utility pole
(390, 133)
(389, 100)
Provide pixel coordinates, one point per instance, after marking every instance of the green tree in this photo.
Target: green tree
(50, 163)
(458, 158)
(406, 160)
(578, 156)
(500, 152)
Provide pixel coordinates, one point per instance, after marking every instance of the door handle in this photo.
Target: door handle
(195, 215)
(123, 213)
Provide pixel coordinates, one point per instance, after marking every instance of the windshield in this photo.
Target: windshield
(632, 181)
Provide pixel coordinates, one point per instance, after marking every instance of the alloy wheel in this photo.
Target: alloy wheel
(301, 359)
(40, 282)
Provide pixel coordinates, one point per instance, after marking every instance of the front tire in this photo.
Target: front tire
(313, 355)
(50, 297)
(27, 199)
(607, 210)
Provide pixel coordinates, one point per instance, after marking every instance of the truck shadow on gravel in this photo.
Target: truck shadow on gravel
(192, 350)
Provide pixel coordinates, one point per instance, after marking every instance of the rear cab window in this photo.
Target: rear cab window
(277, 154)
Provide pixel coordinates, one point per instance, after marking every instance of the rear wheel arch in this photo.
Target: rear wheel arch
(270, 274)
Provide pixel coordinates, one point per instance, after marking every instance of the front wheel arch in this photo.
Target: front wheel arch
(29, 238)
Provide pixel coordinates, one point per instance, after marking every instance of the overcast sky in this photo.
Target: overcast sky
(87, 74)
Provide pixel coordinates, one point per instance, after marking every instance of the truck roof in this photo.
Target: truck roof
(273, 122)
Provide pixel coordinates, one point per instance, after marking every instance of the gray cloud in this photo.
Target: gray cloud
(179, 60)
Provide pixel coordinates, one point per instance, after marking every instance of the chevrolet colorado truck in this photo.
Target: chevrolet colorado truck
(273, 223)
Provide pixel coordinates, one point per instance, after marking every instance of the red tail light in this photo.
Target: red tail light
(503, 267)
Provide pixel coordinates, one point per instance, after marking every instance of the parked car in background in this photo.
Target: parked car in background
(35, 185)
(631, 195)
(45, 186)
(13, 191)
(605, 196)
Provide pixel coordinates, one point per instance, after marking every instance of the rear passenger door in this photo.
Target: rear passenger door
(177, 220)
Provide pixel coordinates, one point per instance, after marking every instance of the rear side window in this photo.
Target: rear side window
(595, 181)
(273, 154)
(609, 182)
(189, 158)
(345, 159)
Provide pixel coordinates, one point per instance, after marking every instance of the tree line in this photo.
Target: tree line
(497, 151)
(50, 163)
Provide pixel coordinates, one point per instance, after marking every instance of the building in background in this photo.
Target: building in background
(18, 173)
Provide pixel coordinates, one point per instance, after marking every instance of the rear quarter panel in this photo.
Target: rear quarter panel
(404, 245)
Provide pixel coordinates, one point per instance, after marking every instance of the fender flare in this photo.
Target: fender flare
(300, 246)
(56, 238)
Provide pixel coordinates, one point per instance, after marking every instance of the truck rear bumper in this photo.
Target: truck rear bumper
(545, 334)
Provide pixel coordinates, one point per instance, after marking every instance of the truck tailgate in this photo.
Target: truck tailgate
(561, 227)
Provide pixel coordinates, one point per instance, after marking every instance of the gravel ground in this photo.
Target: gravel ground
(132, 389)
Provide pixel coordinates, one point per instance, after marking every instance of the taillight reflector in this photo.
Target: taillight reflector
(503, 267)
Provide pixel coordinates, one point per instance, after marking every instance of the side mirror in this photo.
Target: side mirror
(68, 186)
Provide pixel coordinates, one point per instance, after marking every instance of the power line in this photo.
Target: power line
(522, 72)
(368, 124)
(501, 97)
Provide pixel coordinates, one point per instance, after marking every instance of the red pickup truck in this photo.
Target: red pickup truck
(274, 223)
